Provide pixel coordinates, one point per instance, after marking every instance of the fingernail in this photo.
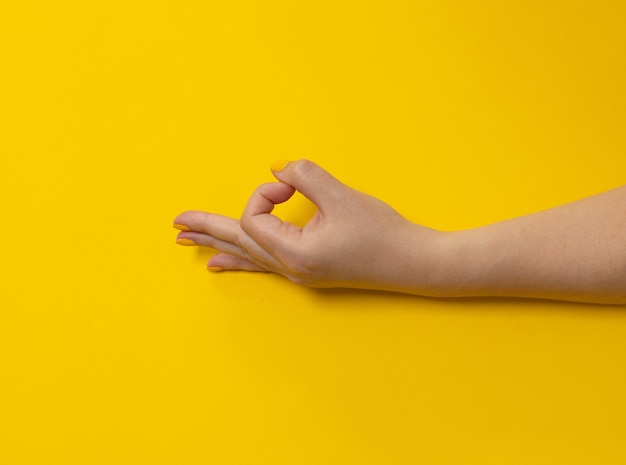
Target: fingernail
(279, 165)
(185, 241)
(182, 227)
(213, 268)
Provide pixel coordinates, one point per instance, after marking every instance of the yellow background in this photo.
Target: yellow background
(116, 347)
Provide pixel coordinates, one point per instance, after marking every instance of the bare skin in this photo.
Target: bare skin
(574, 252)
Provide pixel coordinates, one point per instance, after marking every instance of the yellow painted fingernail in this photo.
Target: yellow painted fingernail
(182, 227)
(185, 241)
(213, 268)
(279, 165)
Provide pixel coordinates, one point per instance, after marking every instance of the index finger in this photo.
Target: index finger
(269, 231)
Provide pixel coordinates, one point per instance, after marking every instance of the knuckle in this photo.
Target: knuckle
(246, 256)
(244, 226)
(242, 241)
(303, 169)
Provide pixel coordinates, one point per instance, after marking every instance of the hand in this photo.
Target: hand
(353, 240)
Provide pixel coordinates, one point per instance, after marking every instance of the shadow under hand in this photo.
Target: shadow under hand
(382, 299)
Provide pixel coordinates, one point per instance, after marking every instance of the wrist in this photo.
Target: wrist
(447, 264)
(421, 262)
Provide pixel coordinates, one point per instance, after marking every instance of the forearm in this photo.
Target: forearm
(573, 252)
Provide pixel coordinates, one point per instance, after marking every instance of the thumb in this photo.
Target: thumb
(312, 181)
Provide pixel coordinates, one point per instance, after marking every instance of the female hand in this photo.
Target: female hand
(353, 240)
